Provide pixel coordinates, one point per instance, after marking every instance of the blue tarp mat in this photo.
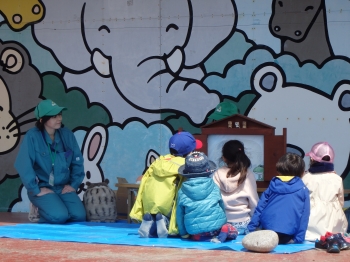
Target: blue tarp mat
(121, 233)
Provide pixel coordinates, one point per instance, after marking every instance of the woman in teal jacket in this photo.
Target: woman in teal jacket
(50, 165)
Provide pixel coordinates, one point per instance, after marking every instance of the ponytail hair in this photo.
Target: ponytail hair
(237, 160)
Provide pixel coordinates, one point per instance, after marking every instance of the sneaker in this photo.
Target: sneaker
(321, 244)
(33, 215)
(328, 234)
(342, 242)
(333, 245)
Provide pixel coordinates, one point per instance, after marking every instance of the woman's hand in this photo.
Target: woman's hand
(67, 189)
(44, 191)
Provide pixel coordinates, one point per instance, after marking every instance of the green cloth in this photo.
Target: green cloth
(224, 109)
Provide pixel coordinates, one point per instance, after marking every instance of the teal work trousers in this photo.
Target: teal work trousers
(57, 208)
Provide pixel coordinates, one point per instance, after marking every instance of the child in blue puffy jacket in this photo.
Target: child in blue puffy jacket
(200, 210)
(284, 207)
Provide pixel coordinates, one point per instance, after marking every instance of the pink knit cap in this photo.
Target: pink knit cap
(320, 150)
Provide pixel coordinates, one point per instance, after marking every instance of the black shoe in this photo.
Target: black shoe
(321, 244)
(333, 246)
(342, 242)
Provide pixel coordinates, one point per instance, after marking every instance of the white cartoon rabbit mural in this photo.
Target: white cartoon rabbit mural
(93, 149)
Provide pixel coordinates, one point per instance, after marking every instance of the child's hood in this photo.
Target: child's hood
(167, 165)
(291, 186)
(226, 184)
(198, 188)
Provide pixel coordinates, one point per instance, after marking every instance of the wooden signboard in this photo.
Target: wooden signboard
(262, 146)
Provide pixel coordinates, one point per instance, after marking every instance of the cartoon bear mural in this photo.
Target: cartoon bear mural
(302, 28)
(20, 88)
(153, 60)
(309, 117)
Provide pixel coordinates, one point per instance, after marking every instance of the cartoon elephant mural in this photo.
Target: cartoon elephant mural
(151, 59)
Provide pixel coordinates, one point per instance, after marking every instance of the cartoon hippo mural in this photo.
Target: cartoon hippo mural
(309, 117)
(302, 28)
(20, 87)
(148, 53)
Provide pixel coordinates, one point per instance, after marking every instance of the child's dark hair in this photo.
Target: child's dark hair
(290, 165)
(325, 158)
(175, 153)
(237, 160)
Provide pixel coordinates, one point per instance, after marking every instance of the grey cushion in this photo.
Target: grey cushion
(261, 241)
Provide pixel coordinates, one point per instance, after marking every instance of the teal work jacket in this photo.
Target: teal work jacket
(34, 160)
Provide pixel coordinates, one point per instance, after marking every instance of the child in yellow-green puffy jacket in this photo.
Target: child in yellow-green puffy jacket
(155, 204)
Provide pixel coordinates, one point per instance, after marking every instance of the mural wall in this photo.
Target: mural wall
(131, 72)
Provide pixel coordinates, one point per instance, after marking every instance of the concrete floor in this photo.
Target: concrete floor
(36, 250)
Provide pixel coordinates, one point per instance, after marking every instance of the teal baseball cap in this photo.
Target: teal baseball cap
(47, 108)
(224, 109)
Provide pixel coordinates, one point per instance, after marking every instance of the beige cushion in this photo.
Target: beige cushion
(261, 241)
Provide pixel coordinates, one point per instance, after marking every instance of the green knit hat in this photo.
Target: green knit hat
(224, 109)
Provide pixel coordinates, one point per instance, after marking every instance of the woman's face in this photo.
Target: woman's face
(54, 122)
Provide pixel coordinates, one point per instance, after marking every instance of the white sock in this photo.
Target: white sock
(162, 231)
(146, 226)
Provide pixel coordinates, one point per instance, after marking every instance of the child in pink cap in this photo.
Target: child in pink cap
(326, 194)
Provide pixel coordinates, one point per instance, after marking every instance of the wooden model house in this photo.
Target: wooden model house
(262, 146)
